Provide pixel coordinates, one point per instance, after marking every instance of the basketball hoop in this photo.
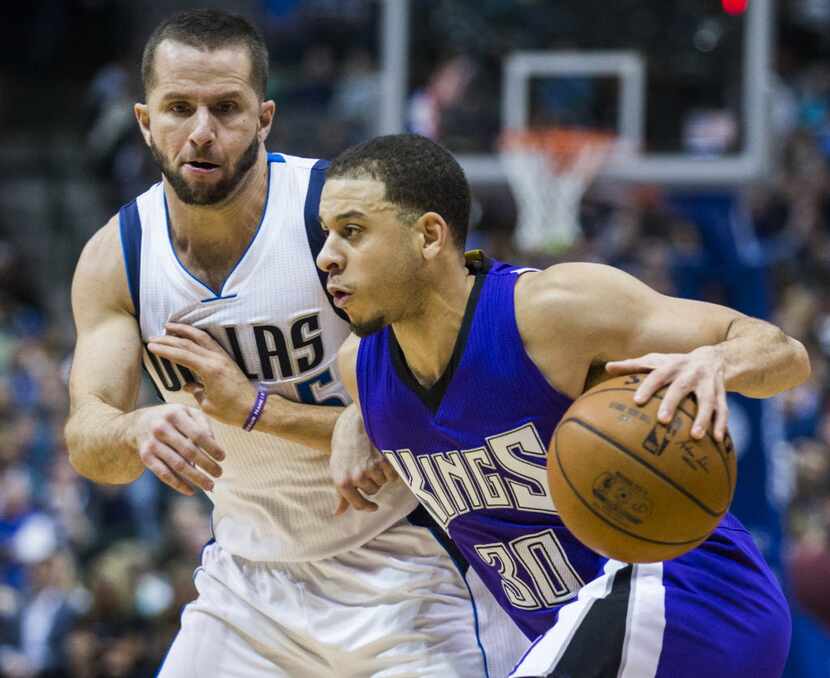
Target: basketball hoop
(549, 171)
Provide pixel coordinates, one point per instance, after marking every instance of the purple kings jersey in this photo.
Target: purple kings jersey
(473, 450)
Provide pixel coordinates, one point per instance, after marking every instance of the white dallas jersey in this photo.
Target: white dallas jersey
(275, 500)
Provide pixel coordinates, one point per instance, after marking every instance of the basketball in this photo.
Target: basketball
(630, 487)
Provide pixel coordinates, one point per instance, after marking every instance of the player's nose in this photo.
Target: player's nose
(330, 259)
(204, 131)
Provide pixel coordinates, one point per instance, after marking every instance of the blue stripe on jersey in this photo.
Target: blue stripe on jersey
(214, 294)
(316, 235)
(228, 296)
(129, 223)
(275, 157)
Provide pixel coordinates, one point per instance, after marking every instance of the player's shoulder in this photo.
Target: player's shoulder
(562, 285)
(297, 162)
(103, 244)
(99, 274)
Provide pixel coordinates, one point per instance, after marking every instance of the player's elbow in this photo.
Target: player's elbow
(77, 450)
(800, 362)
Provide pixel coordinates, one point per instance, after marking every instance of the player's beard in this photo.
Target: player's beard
(404, 298)
(368, 327)
(207, 195)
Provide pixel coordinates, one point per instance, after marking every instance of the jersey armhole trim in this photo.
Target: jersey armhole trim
(129, 225)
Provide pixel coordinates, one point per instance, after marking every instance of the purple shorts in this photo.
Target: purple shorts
(717, 611)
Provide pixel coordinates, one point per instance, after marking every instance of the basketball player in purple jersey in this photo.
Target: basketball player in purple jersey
(464, 368)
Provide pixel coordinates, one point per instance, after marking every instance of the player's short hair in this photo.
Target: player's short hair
(209, 29)
(420, 176)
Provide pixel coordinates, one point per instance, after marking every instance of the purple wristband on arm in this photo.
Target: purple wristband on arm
(257, 409)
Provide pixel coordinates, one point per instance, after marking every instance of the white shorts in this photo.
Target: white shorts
(396, 607)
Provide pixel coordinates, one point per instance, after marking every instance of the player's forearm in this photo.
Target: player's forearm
(309, 425)
(101, 443)
(760, 360)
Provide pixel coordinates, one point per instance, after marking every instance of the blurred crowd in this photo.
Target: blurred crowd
(93, 578)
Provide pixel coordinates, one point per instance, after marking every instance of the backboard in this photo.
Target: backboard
(685, 82)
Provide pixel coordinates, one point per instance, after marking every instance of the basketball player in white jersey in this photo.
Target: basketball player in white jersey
(209, 279)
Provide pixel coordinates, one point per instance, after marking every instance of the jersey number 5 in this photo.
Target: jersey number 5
(308, 390)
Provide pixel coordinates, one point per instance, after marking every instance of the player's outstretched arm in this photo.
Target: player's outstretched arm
(108, 441)
(574, 317)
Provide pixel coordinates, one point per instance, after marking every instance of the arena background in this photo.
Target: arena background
(726, 200)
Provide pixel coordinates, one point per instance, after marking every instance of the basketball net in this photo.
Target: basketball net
(549, 171)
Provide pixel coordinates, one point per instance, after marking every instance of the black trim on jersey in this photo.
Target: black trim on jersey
(316, 235)
(129, 224)
(432, 396)
(421, 518)
(596, 648)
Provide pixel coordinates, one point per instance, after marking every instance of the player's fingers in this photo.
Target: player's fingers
(366, 485)
(194, 334)
(388, 470)
(644, 363)
(342, 507)
(377, 475)
(706, 401)
(651, 383)
(198, 429)
(155, 450)
(356, 500)
(165, 475)
(678, 390)
(184, 468)
(177, 354)
(721, 414)
(184, 444)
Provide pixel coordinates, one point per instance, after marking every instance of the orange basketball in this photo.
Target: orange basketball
(634, 489)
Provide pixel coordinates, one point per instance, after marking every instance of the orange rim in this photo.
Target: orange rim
(562, 144)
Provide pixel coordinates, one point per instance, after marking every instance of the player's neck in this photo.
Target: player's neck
(198, 230)
(428, 337)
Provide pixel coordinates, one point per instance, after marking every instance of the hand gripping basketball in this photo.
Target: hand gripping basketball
(700, 372)
(632, 486)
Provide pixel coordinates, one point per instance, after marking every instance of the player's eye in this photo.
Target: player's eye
(350, 231)
(179, 108)
(226, 107)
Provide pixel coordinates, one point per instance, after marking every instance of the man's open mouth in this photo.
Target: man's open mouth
(200, 165)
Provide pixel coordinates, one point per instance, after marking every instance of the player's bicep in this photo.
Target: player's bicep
(106, 361)
(347, 365)
(639, 320)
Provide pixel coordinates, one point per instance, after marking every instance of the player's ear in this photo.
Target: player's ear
(267, 111)
(142, 115)
(435, 234)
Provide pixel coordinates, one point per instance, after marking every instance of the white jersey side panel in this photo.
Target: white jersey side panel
(275, 500)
